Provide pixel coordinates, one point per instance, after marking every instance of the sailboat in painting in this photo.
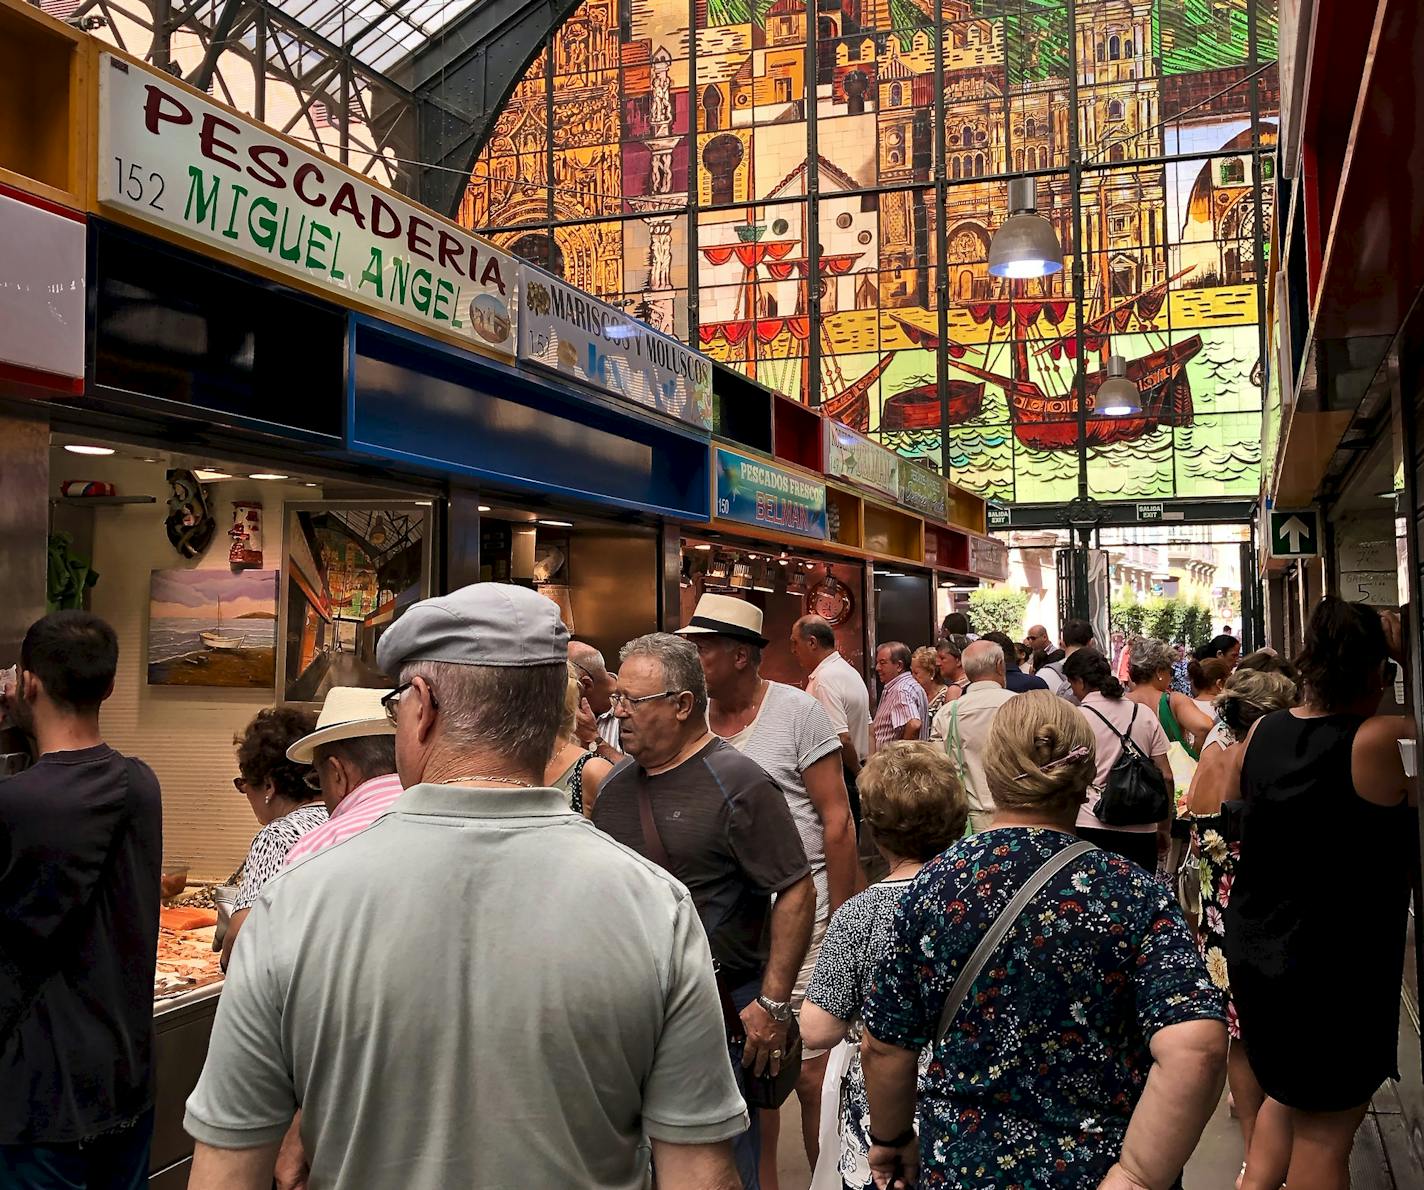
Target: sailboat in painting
(218, 639)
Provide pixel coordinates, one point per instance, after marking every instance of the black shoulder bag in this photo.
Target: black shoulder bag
(766, 1090)
(1135, 793)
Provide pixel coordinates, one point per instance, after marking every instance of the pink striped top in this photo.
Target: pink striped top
(353, 814)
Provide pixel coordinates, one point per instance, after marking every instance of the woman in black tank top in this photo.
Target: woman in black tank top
(1314, 938)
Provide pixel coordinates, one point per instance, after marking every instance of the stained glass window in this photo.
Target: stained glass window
(774, 197)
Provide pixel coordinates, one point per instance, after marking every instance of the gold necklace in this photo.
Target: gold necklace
(501, 780)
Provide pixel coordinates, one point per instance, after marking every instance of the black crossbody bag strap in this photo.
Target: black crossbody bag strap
(653, 841)
(1001, 926)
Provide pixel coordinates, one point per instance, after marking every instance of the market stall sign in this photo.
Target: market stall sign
(171, 158)
(756, 493)
(988, 558)
(575, 335)
(857, 458)
(923, 490)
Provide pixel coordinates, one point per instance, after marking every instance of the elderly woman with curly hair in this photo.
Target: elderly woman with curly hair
(1089, 1049)
(912, 799)
(285, 798)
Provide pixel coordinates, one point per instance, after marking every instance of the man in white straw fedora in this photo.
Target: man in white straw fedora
(353, 757)
(788, 733)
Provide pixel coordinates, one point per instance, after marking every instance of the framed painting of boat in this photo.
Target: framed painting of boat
(213, 628)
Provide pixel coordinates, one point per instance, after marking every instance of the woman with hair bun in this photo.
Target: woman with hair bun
(1208, 679)
(1110, 716)
(1228, 648)
(1040, 1076)
(1248, 695)
(1330, 768)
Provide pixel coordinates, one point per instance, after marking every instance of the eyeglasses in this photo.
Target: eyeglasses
(240, 784)
(619, 700)
(312, 781)
(390, 703)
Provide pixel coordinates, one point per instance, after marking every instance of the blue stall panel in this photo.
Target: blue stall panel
(439, 409)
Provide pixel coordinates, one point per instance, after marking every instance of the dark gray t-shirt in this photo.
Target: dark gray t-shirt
(731, 839)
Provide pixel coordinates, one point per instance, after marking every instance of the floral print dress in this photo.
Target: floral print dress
(1216, 864)
(1035, 1082)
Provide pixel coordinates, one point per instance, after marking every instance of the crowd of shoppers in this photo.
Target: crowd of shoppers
(1019, 1002)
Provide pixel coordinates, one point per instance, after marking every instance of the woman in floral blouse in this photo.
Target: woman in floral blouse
(1041, 1079)
(912, 799)
(1248, 695)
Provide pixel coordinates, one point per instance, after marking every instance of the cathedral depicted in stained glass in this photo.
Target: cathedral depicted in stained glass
(813, 206)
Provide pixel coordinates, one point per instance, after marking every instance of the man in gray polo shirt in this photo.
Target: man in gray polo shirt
(480, 989)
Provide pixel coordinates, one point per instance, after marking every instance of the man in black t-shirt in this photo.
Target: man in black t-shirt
(81, 846)
(722, 827)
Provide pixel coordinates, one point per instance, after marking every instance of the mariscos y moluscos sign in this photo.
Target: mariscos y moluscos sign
(756, 493)
(578, 336)
(171, 158)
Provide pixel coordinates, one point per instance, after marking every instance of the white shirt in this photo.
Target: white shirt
(846, 699)
(972, 713)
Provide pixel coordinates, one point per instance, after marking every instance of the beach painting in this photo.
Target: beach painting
(213, 628)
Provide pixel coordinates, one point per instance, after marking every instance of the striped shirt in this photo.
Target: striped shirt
(902, 700)
(353, 814)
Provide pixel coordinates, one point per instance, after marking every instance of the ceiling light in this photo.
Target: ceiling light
(785, 561)
(80, 448)
(311, 485)
(267, 475)
(1117, 396)
(702, 547)
(557, 524)
(208, 475)
(1026, 245)
(484, 507)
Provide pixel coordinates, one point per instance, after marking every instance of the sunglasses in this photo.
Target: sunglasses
(312, 781)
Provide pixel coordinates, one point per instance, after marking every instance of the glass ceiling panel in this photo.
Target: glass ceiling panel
(379, 33)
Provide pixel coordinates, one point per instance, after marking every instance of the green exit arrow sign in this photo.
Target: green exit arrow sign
(1295, 533)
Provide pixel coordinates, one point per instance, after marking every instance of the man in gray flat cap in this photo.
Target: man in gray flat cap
(480, 989)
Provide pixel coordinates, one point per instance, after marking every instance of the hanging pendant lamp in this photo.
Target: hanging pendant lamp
(1117, 395)
(1026, 245)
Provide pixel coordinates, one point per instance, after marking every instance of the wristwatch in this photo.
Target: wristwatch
(778, 1010)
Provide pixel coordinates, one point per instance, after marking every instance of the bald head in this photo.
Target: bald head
(983, 661)
(1038, 639)
(594, 678)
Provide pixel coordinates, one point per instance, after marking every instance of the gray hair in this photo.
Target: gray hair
(370, 755)
(818, 629)
(514, 711)
(682, 670)
(983, 659)
(1148, 658)
(585, 656)
(898, 652)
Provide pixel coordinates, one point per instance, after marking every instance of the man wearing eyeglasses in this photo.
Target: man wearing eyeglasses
(480, 989)
(692, 803)
(353, 757)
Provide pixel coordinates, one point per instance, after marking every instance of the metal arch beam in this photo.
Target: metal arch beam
(473, 68)
(217, 42)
